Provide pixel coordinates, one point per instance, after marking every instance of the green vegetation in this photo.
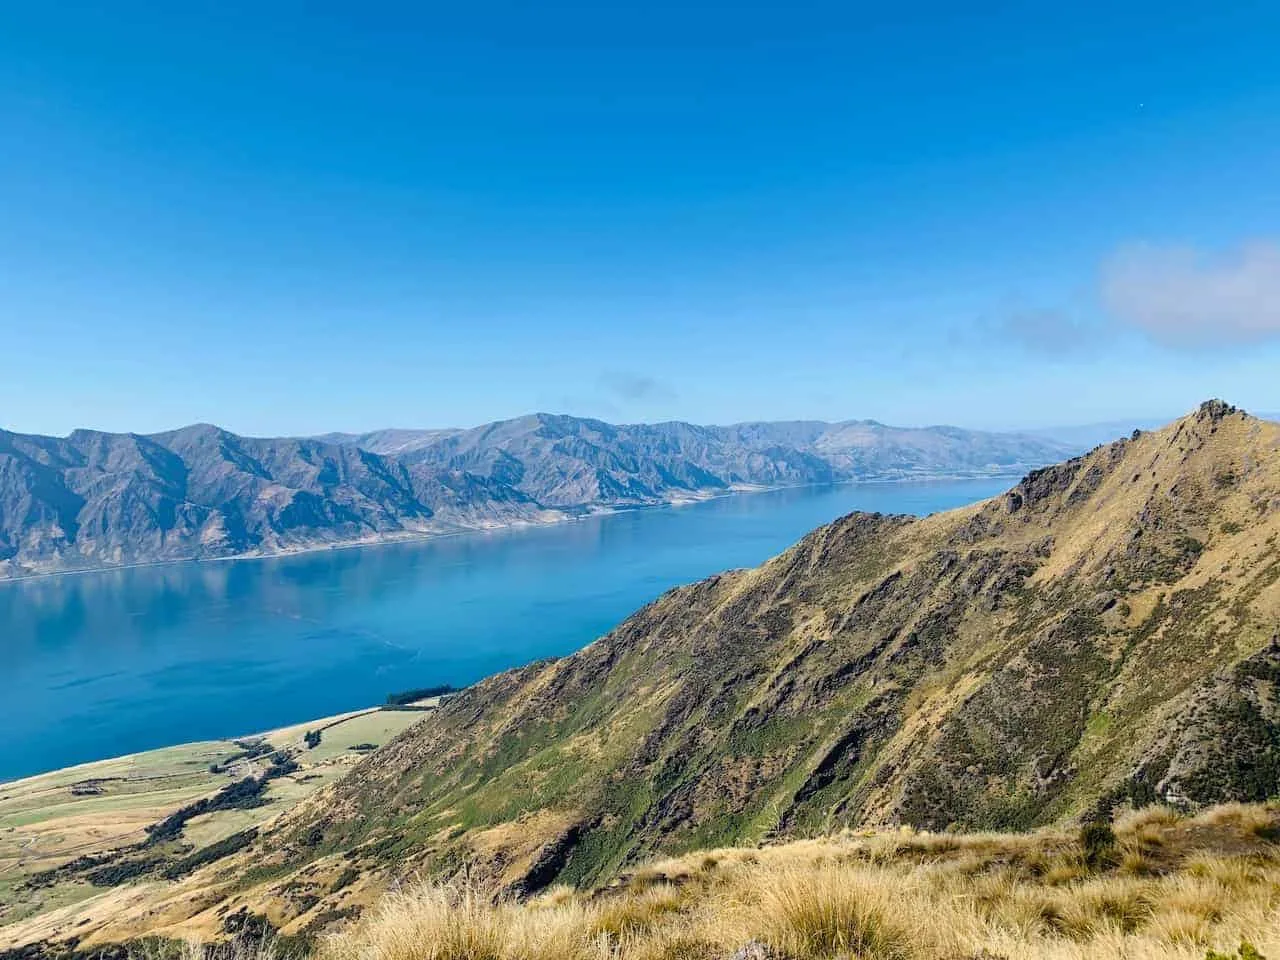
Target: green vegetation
(1098, 842)
(421, 693)
(1246, 951)
(243, 794)
(214, 851)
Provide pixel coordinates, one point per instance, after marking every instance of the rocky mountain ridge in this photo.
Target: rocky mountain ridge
(98, 499)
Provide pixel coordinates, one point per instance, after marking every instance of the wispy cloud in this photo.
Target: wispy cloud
(1184, 297)
(1179, 297)
(1052, 332)
(633, 387)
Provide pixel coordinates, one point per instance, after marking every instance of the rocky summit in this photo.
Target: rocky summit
(1102, 635)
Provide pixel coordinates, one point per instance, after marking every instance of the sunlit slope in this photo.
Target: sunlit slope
(1055, 649)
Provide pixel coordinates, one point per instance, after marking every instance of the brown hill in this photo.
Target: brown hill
(1104, 633)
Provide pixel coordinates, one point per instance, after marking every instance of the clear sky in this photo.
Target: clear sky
(292, 218)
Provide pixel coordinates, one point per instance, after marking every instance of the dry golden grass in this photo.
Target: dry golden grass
(1209, 883)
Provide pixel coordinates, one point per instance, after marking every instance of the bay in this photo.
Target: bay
(107, 663)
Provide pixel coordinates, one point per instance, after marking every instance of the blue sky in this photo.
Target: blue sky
(345, 216)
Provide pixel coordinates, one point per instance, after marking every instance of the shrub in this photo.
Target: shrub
(1098, 842)
(421, 693)
(241, 795)
(214, 851)
(1247, 951)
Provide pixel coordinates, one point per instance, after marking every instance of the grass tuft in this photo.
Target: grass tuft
(829, 911)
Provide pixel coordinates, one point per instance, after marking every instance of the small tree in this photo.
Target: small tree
(312, 738)
(1098, 841)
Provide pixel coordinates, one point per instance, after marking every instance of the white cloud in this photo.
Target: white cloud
(1183, 297)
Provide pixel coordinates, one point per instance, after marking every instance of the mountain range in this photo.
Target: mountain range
(1104, 634)
(96, 499)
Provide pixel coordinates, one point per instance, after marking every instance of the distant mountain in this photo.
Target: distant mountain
(95, 499)
(563, 461)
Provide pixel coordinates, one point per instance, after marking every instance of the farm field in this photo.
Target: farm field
(93, 809)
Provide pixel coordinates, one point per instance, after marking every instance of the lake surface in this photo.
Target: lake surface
(102, 664)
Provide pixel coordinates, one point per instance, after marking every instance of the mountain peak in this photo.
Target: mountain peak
(1216, 410)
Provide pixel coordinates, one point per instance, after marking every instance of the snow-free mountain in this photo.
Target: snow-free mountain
(96, 499)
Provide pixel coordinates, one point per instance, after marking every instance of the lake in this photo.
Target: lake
(102, 664)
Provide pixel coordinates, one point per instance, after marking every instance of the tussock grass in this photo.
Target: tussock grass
(826, 911)
(1207, 883)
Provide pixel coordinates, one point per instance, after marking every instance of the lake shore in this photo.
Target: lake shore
(105, 808)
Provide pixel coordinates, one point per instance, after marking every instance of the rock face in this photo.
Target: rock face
(94, 499)
(1102, 634)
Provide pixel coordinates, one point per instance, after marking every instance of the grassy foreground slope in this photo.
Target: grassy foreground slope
(1101, 636)
(1163, 887)
(1160, 886)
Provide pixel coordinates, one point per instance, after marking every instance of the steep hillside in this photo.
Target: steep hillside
(96, 499)
(1104, 633)
(1105, 630)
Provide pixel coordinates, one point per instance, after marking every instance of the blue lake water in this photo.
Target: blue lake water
(102, 664)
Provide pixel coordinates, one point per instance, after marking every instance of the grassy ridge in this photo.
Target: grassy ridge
(1054, 653)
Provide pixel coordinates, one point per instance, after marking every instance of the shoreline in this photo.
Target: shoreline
(591, 512)
(320, 723)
